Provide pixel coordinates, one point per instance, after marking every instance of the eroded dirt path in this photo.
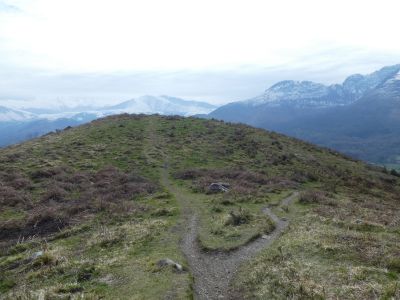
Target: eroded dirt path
(212, 271)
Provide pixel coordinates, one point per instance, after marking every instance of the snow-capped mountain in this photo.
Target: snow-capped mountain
(390, 88)
(163, 105)
(360, 117)
(11, 115)
(311, 94)
(357, 86)
(19, 125)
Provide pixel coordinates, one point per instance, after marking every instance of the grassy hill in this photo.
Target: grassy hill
(93, 211)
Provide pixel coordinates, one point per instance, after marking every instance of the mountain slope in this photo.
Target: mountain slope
(18, 131)
(368, 129)
(20, 125)
(307, 94)
(163, 105)
(12, 115)
(100, 210)
(359, 117)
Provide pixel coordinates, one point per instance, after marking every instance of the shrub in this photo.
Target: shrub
(44, 220)
(163, 212)
(46, 259)
(394, 173)
(69, 288)
(85, 273)
(268, 226)
(312, 196)
(216, 208)
(68, 196)
(9, 196)
(393, 264)
(242, 216)
(108, 237)
(46, 173)
(6, 284)
(54, 193)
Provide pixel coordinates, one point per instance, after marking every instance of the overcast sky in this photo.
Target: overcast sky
(213, 50)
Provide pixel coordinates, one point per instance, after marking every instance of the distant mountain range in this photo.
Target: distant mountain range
(17, 125)
(360, 117)
(9, 115)
(163, 105)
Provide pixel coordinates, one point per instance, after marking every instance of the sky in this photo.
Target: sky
(107, 51)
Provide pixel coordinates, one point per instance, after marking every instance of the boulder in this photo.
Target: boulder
(217, 187)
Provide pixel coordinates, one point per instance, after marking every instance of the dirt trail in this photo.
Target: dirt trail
(212, 271)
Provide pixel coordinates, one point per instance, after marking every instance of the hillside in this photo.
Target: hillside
(359, 117)
(121, 208)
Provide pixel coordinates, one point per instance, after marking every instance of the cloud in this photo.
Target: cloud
(159, 35)
(219, 51)
(8, 8)
(32, 87)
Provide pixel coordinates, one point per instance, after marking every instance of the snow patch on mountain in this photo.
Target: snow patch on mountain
(163, 105)
(13, 115)
(305, 94)
(291, 90)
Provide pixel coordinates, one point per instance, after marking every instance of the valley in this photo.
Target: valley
(358, 117)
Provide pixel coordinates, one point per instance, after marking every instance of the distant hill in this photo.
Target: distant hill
(359, 117)
(163, 105)
(122, 208)
(16, 132)
(14, 115)
(20, 125)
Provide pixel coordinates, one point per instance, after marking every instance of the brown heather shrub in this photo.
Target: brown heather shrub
(15, 179)
(69, 197)
(14, 157)
(47, 219)
(189, 174)
(241, 181)
(43, 173)
(21, 183)
(312, 196)
(11, 197)
(54, 193)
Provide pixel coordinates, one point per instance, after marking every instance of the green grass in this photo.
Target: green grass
(322, 257)
(343, 244)
(121, 255)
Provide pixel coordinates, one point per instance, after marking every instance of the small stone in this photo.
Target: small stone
(169, 262)
(37, 255)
